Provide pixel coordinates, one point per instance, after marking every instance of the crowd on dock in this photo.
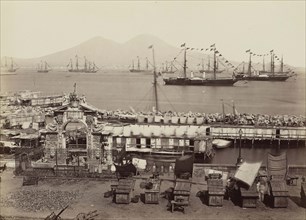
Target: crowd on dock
(210, 118)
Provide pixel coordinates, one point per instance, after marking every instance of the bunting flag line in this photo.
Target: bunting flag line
(249, 50)
(183, 45)
(151, 46)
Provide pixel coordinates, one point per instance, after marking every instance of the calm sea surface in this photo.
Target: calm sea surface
(113, 90)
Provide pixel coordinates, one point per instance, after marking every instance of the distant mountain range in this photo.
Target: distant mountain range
(108, 54)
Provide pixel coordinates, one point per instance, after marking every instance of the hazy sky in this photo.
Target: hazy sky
(36, 28)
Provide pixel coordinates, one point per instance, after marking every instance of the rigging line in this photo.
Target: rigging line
(178, 54)
(141, 100)
(166, 98)
(178, 64)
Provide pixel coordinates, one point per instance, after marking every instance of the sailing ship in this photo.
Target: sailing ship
(138, 69)
(264, 75)
(9, 69)
(43, 67)
(204, 81)
(89, 67)
(209, 70)
(168, 69)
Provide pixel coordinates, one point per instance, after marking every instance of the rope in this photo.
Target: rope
(166, 98)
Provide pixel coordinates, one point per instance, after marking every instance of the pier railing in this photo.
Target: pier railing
(282, 133)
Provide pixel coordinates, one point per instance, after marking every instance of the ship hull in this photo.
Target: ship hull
(210, 71)
(76, 71)
(200, 82)
(42, 71)
(269, 78)
(140, 71)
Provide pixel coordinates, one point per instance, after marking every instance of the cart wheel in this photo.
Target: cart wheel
(81, 216)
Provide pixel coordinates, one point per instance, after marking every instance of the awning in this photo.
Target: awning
(247, 172)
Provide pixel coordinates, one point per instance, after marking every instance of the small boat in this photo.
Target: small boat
(221, 143)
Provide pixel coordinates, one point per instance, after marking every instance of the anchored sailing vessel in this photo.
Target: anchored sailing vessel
(89, 67)
(138, 70)
(196, 81)
(208, 70)
(75, 69)
(9, 69)
(168, 69)
(267, 75)
(43, 67)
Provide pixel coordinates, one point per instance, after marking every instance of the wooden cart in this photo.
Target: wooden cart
(181, 194)
(279, 194)
(277, 170)
(124, 191)
(152, 195)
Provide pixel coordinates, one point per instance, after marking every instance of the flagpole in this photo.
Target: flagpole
(155, 80)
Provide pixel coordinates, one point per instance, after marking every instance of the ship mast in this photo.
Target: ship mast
(77, 62)
(155, 81)
(12, 63)
(138, 63)
(85, 64)
(263, 63)
(147, 63)
(250, 64)
(185, 61)
(46, 65)
(5, 64)
(203, 64)
(208, 66)
(132, 64)
(215, 63)
(272, 62)
(243, 66)
(282, 65)
(71, 64)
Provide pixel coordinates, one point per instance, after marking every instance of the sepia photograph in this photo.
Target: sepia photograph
(152, 110)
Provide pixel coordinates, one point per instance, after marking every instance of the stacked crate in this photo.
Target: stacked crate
(124, 191)
(249, 197)
(152, 195)
(215, 192)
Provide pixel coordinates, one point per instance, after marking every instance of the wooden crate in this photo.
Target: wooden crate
(215, 192)
(249, 197)
(215, 199)
(124, 191)
(152, 195)
(279, 193)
